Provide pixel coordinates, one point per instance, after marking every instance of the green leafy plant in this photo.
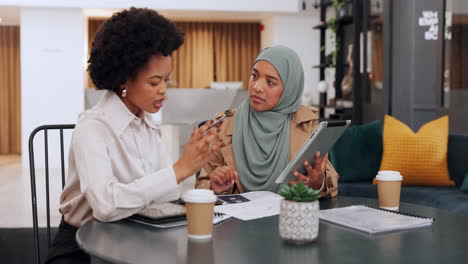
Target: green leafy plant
(337, 4)
(299, 192)
(332, 24)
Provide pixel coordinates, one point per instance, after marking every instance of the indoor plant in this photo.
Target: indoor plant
(299, 214)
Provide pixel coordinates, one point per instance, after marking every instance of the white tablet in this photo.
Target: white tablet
(323, 138)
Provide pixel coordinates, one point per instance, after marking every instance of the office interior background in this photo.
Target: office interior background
(368, 58)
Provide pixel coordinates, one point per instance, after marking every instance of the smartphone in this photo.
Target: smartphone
(218, 122)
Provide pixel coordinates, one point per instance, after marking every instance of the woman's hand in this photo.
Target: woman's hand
(222, 178)
(198, 151)
(315, 175)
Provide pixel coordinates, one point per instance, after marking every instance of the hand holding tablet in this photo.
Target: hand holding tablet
(323, 138)
(314, 176)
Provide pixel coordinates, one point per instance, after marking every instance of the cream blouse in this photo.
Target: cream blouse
(117, 165)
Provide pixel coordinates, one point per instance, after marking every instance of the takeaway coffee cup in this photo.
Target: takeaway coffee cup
(389, 187)
(200, 209)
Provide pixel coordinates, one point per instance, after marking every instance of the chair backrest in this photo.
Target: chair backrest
(32, 170)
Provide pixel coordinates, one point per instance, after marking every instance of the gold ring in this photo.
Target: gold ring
(307, 181)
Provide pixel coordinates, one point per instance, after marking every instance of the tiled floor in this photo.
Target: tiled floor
(15, 194)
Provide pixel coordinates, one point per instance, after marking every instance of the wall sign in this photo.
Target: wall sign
(431, 20)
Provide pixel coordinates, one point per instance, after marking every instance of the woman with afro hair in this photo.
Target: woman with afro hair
(117, 164)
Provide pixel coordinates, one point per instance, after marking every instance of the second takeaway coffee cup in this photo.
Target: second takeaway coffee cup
(200, 209)
(388, 188)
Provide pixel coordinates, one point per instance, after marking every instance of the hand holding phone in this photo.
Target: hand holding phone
(218, 122)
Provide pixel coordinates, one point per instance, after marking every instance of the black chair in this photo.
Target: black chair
(32, 169)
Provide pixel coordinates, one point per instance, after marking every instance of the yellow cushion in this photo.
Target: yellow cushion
(420, 157)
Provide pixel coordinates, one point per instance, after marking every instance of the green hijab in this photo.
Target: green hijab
(261, 139)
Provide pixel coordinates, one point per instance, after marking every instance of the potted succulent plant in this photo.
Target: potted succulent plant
(299, 213)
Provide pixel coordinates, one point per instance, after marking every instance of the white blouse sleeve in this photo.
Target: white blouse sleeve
(109, 198)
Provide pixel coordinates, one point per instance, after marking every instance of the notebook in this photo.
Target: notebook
(373, 220)
(160, 214)
(166, 215)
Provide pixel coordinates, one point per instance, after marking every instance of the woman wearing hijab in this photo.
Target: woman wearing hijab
(266, 131)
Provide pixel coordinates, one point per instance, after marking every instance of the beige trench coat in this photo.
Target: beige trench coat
(303, 123)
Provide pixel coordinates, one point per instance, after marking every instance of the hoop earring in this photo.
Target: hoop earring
(124, 92)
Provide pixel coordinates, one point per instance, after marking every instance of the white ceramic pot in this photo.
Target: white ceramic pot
(299, 221)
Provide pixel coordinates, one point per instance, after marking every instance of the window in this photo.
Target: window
(220, 52)
(455, 74)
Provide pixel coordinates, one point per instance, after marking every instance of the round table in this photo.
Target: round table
(258, 241)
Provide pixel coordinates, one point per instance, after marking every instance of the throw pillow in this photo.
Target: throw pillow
(356, 155)
(420, 157)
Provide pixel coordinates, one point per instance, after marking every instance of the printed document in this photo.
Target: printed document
(260, 204)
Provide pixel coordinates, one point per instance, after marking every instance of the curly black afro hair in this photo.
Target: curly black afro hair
(125, 43)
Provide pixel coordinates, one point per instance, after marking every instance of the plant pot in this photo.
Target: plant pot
(299, 221)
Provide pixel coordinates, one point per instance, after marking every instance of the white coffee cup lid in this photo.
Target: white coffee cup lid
(388, 172)
(389, 176)
(199, 196)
